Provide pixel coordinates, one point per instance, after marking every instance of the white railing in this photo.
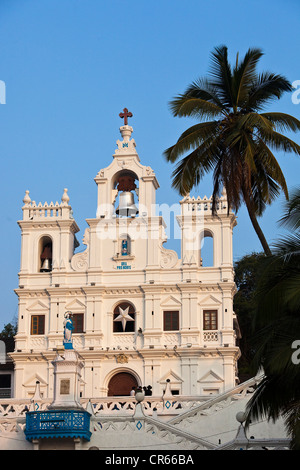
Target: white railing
(32, 210)
(218, 402)
(108, 406)
(211, 336)
(171, 404)
(151, 405)
(193, 205)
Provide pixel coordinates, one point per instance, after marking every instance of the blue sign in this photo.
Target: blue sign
(124, 265)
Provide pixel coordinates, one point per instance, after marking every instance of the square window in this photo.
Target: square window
(37, 324)
(78, 322)
(210, 320)
(5, 380)
(171, 321)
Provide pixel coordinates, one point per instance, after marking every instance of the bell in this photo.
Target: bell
(46, 266)
(46, 258)
(126, 205)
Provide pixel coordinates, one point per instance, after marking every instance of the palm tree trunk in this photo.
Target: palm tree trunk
(256, 226)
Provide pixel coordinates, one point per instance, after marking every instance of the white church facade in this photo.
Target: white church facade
(140, 316)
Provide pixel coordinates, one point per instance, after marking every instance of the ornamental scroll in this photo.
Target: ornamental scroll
(80, 261)
(168, 258)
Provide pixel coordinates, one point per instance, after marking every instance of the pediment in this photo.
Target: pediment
(210, 300)
(31, 382)
(171, 302)
(174, 378)
(38, 305)
(210, 377)
(75, 304)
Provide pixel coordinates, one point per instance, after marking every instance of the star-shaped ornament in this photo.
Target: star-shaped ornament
(124, 317)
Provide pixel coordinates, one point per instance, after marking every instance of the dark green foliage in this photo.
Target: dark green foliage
(247, 274)
(276, 330)
(7, 335)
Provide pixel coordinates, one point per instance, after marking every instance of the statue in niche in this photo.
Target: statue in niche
(124, 249)
(68, 328)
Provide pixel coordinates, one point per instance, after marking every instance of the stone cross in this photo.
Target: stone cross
(126, 114)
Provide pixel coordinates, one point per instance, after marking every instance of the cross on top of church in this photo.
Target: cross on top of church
(125, 115)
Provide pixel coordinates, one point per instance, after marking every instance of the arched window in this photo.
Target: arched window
(45, 254)
(124, 318)
(207, 249)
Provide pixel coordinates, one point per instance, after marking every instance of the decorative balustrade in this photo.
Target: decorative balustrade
(211, 336)
(151, 405)
(32, 210)
(193, 205)
(13, 408)
(107, 406)
(122, 406)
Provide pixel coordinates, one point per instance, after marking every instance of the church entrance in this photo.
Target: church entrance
(121, 384)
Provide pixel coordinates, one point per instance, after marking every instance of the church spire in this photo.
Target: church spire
(127, 145)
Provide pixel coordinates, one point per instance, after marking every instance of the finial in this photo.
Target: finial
(37, 392)
(65, 198)
(241, 417)
(26, 199)
(125, 115)
(224, 193)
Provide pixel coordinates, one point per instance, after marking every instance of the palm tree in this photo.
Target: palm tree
(234, 138)
(277, 331)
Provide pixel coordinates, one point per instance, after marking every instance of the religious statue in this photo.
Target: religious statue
(124, 248)
(68, 328)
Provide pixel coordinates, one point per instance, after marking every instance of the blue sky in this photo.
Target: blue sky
(70, 67)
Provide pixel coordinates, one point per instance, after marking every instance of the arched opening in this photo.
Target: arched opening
(207, 249)
(45, 254)
(121, 384)
(125, 184)
(124, 318)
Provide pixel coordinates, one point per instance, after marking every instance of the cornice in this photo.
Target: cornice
(49, 223)
(105, 290)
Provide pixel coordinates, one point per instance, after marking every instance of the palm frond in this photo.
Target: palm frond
(243, 76)
(271, 170)
(221, 74)
(259, 406)
(266, 88)
(192, 138)
(278, 141)
(282, 121)
(292, 420)
(291, 217)
(194, 166)
(252, 120)
(203, 89)
(184, 105)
